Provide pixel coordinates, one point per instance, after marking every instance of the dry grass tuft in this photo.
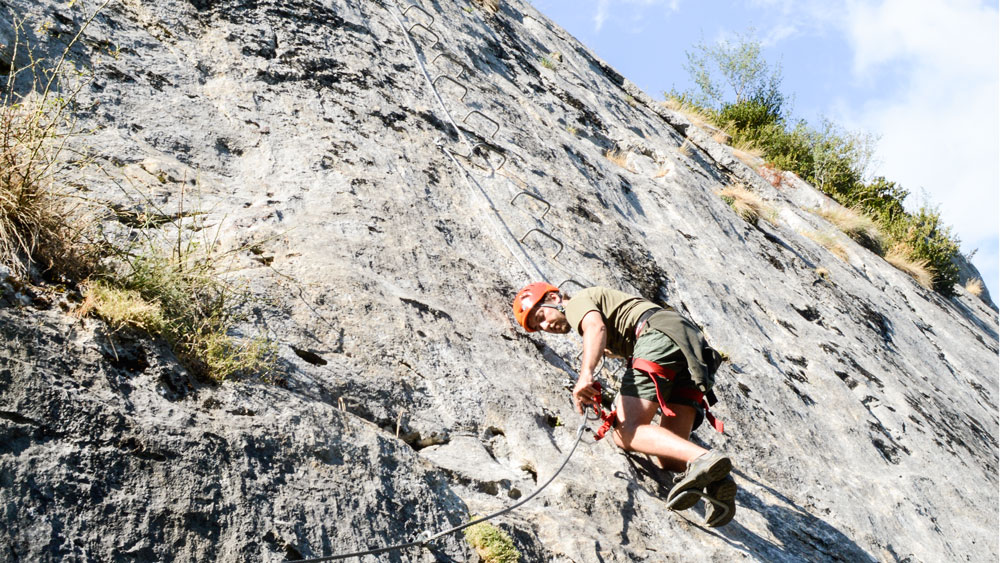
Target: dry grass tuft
(901, 257)
(859, 227)
(619, 157)
(39, 225)
(491, 6)
(183, 299)
(828, 241)
(746, 204)
(974, 286)
(663, 171)
(694, 114)
(120, 308)
(685, 148)
(721, 137)
(45, 228)
(752, 158)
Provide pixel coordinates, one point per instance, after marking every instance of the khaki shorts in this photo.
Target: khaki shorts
(657, 347)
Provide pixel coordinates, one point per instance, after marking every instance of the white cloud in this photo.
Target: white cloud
(629, 10)
(778, 33)
(939, 126)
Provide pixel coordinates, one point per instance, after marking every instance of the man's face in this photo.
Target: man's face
(548, 319)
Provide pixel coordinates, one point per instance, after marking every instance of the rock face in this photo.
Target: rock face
(861, 409)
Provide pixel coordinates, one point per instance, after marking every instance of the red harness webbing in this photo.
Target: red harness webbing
(609, 418)
(653, 368)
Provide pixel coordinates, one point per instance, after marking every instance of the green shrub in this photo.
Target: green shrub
(739, 92)
(749, 116)
(492, 544)
(928, 239)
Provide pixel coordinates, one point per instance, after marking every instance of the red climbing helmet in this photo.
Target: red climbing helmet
(526, 300)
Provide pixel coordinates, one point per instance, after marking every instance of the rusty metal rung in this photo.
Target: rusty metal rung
(546, 235)
(486, 156)
(571, 280)
(486, 117)
(425, 28)
(452, 58)
(465, 89)
(419, 9)
(539, 198)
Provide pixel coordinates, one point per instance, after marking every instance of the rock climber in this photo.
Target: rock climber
(671, 367)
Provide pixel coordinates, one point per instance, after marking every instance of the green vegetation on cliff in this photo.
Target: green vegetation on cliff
(739, 92)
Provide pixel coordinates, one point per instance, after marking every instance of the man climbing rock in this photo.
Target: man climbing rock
(670, 368)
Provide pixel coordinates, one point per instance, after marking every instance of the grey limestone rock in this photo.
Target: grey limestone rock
(383, 247)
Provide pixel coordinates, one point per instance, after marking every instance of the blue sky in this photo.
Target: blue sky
(922, 75)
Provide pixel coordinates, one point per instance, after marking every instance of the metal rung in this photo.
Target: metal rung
(451, 58)
(425, 28)
(419, 9)
(546, 235)
(486, 117)
(571, 280)
(600, 366)
(539, 198)
(486, 156)
(465, 89)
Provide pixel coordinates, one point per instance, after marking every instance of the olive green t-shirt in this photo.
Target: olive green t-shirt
(620, 312)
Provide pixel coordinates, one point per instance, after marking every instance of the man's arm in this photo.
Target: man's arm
(595, 338)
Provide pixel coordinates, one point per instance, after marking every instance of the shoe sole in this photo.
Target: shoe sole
(712, 520)
(677, 500)
(724, 492)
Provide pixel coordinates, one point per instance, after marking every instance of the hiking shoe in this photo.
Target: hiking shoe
(723, 491)
(706, 468)
(683, 500)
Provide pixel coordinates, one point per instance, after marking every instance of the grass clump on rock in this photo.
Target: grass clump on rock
(829, 242)
(185, 301)
(746, 204)
(50, 234)
(492, 544)
(858, 226)
(917, 268)
(41, 227)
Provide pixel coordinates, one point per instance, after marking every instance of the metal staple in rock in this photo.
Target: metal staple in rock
(473, 183)
(425, 541)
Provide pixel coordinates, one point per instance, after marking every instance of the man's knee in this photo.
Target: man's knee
(624, 433)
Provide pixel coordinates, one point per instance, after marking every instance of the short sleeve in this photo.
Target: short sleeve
(578, 307)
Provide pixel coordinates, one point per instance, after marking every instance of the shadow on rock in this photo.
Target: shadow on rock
(798, 535)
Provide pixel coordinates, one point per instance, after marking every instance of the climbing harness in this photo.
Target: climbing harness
(654, 370)
(425, 541)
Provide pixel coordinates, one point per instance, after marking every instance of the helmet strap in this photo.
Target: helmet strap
(557, 307)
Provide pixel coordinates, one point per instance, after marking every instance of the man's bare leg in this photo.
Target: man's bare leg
(668, 441)
(680, 425)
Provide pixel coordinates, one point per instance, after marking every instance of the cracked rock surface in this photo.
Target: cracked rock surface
(383, 247)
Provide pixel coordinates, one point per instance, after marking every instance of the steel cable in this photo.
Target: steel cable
(425, 541)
